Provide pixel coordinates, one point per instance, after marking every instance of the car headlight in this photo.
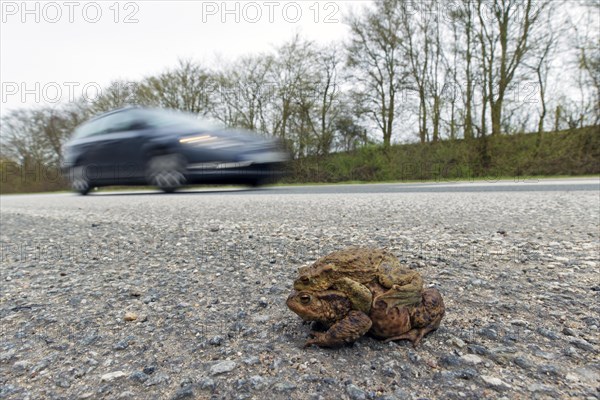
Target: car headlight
(211, 142)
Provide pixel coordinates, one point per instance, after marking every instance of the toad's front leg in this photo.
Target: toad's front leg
(346, 330)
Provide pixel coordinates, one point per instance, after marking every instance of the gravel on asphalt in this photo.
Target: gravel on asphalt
(183, 296)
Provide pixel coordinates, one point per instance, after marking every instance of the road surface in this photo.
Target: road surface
(143, 295)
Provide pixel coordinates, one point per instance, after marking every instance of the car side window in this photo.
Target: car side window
(123, 121)
(89, 129)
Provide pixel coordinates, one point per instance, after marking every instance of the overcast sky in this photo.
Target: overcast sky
(66, 46)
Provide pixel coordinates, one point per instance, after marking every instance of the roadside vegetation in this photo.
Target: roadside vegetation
(521, 156)
(418, 90)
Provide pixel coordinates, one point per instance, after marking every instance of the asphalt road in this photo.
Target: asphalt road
(535, 185)
(140, 295)
(516, 185)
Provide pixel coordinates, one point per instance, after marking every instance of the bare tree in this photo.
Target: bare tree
(375, 54)
(586, 41)
(243, 93)
(186, 88)
(504, 31)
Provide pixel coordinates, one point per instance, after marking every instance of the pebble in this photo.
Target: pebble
(568, 331)
(216, 340)
(21, 367)
(582, 344)
(207, 384)
(157, 379)
(450, 361)
(477, 349)
(284, 387)
(458, 342)
(149, 369)
(111, 376)
(471, 359)
(130, 316)
(539, 387)
(252, 360)
(550, 370)
(138, 376)
(547, 333)
(186, 392)
(222, 367)
(355, 393)
(495, 383)
(258, 382)
(523, 362)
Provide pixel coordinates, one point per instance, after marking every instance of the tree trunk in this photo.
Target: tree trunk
(496, 110)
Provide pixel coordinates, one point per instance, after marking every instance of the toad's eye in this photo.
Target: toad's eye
(304, 299)
(305, 280)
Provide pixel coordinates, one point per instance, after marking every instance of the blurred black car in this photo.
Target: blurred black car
(167, 149)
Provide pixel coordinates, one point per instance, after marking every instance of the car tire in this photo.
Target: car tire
(166, 171)
(79, 180)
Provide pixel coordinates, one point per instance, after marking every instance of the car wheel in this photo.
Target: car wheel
(79, 181)
(166, 172)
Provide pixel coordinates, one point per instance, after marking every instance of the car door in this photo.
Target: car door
(125, 135)
(95, 150)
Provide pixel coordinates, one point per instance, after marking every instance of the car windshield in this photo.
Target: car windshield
(163, 118)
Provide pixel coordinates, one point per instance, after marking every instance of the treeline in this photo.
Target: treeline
(407, 72)
(516, 157)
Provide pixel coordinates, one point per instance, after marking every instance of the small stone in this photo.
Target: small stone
(548, 370)
(122, 345)
(495, 383)
(471, 359)
(138, 376)
(355, 393)
(539, 387)
(253, 360)
(207, 384)
(568, 331)
(587, 375)
(458, 342)
(489, 333)
(21, 367)
(276, 364)
(258, 382)
(63, 382)
(7, 355)
(523, 362)
(572, 377)
(216, 340)
(547, 333)
(519, 322)
(450, 361)
(413, 356)
(222, 367)
(130, 316)
(157, 379)
(284, 387)
(149, 369)
(186, 392)
(466, 373)
(111, 376)
(478, 349)
(582, 344)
